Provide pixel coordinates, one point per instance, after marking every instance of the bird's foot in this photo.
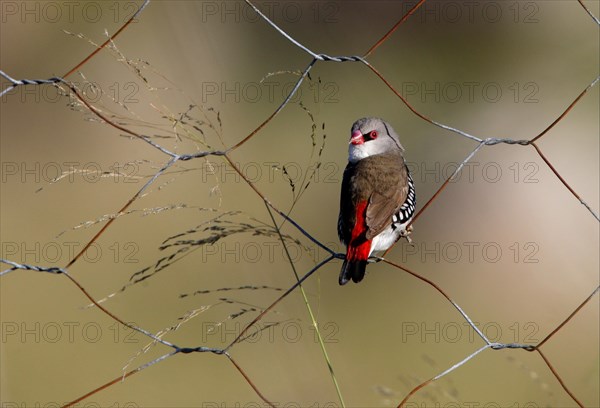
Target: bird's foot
(405, 233)
(375, 259)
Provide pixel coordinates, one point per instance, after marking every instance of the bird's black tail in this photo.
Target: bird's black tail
(354, 270)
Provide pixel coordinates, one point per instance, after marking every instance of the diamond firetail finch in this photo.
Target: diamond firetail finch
(378, 195)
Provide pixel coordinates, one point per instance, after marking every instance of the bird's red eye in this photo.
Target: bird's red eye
(373, 134)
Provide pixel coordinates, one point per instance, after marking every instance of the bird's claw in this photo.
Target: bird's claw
(375, 259)
(405, 233)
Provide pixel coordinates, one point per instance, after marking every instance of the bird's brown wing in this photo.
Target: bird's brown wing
(386, 201)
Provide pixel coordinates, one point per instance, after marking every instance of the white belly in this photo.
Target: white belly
(387, 237)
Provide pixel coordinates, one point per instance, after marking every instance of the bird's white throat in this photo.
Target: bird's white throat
(359, 152)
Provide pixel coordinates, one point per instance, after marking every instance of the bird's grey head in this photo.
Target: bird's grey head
(370, 136)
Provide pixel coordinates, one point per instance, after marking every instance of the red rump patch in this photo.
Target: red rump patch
(359, 247)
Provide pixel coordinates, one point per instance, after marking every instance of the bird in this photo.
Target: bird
(377, 199)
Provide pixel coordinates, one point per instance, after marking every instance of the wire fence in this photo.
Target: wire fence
(281, 225)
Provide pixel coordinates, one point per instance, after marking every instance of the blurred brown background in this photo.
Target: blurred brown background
(506, 241)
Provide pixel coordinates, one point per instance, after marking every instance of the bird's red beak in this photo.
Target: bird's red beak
(357, 138)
